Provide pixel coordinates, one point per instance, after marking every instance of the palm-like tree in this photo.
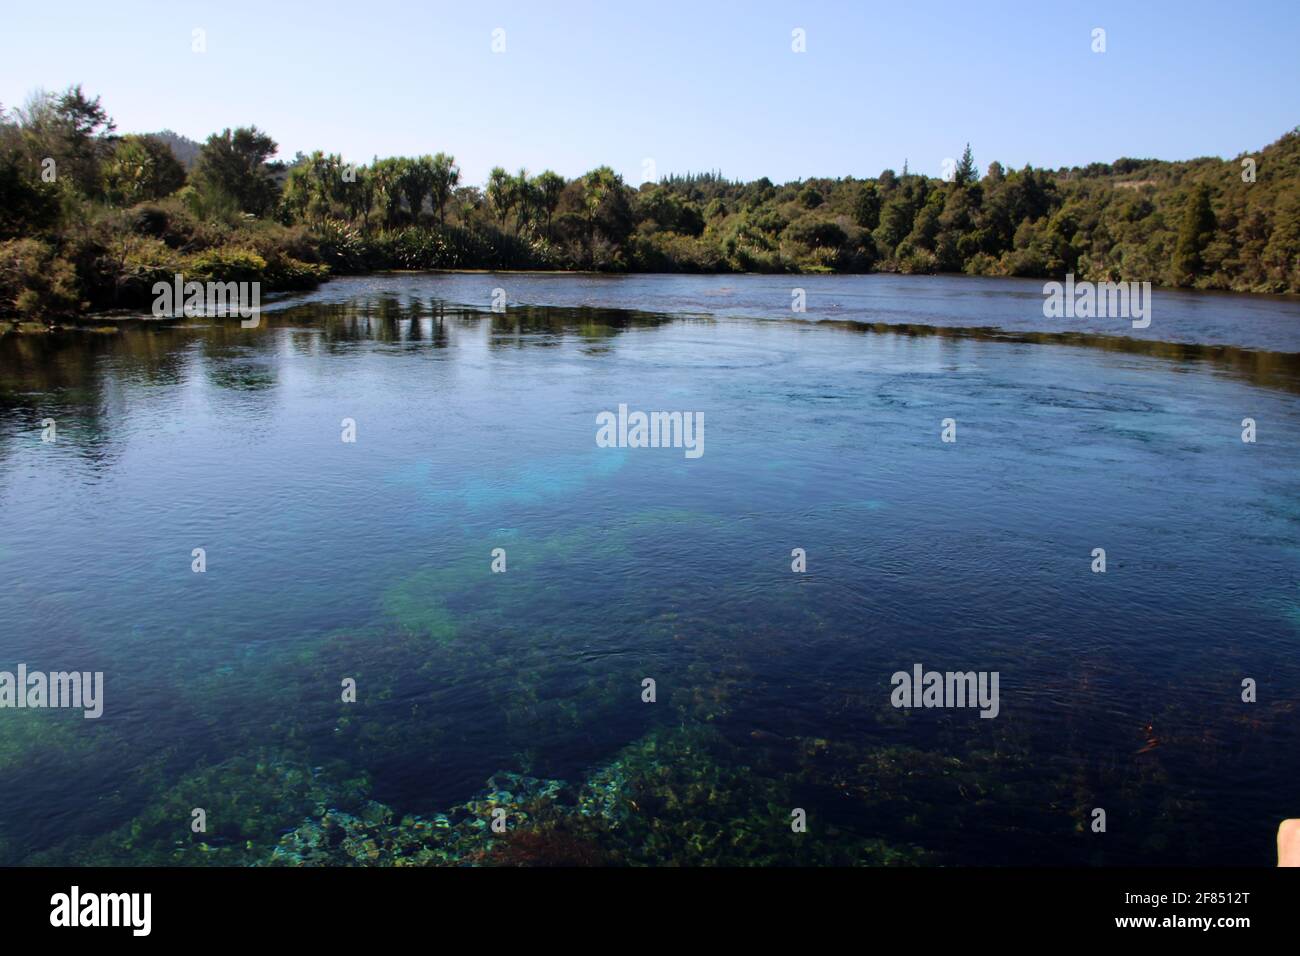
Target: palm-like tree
(417, 176)
(386, 177)
(501, 193)
(446, 177)
(528, 200)
(550, 186)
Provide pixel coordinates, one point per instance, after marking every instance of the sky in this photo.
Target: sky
(660, 86)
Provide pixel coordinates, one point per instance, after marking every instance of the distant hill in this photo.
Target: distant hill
(182, 147)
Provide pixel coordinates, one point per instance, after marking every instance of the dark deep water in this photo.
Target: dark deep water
(475, 431)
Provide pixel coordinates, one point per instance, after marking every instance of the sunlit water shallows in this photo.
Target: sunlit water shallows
(522, 691)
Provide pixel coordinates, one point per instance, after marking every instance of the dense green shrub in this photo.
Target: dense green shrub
(36, 282)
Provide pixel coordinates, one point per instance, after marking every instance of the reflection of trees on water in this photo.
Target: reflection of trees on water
(412, 319)
(525, 326)
(85, 379)
(1260, 368)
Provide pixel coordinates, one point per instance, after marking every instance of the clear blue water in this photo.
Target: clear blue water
(522, 690)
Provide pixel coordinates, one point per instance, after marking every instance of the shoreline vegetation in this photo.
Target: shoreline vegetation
(90, 220)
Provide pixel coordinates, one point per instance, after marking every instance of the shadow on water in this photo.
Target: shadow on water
(1279, 370)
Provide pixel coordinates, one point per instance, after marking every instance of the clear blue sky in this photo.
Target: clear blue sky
(694, 85)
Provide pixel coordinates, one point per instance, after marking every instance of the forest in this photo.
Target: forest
(90, 218)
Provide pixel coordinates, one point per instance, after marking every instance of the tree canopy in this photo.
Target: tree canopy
(1207, 223)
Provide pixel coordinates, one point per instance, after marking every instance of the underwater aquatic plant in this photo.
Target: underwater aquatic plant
(548, 845)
